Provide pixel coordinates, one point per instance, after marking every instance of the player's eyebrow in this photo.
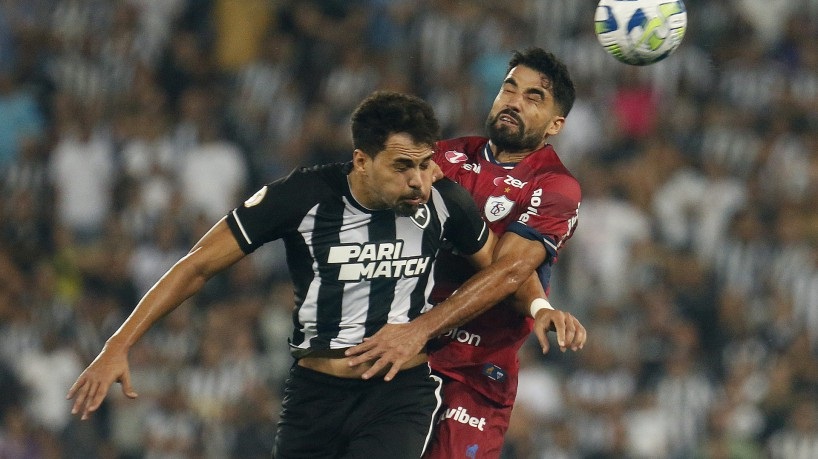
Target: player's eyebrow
(404, 162)
(409, 162)
(533, 90)
(511, 81)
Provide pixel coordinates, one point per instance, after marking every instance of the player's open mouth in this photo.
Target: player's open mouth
(507, 119)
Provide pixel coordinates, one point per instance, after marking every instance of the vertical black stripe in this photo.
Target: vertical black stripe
(430, 244)
(382, 289)
(299, 261)
(326, 233)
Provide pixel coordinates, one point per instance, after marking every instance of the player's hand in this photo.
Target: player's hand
(90, 389)
(570, 332)
(392, 346)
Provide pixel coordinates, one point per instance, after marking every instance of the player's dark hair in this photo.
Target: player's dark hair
(384, 113)
(546, 63)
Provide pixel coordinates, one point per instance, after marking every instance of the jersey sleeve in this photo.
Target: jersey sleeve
(451, 155)
(551, 213)
(465, 228)
(269, 213)
(448, 168)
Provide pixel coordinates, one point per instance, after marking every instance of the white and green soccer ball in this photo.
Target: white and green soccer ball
(640, 32)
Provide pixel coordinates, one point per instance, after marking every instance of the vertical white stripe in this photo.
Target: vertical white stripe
(355, 303)
(412, 237)
(435, 412)
(241, 227)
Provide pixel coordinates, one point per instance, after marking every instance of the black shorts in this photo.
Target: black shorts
(327, 417)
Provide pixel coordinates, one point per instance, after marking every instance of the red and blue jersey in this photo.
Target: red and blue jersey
(537, 199)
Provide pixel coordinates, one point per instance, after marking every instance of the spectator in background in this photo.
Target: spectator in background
(150, 164)
(83, 173)
(213, 172)
(21, 119)
(619, 228)
(239, 29)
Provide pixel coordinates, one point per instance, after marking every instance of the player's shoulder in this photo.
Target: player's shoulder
(548, 159)
(319, 175)
(309, 184)
(452, 193)
(447, 186)
(328, 171)
(552, 174)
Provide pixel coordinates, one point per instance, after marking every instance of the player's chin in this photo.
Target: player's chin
(407, 208)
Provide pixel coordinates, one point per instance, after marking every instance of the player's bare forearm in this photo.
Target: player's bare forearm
(530, 290)
(177, 285)
(214, 252)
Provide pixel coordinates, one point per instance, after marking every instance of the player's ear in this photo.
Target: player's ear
(360, 160)
(556, 125)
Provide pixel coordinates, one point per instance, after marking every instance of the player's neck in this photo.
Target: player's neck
(358, 189)
(513, 157)
(509, 156)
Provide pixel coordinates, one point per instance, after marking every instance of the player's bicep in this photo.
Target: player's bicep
(530, 252)
(215, 251)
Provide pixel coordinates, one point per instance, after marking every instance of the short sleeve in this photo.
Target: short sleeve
(465, 229)
(269, 213)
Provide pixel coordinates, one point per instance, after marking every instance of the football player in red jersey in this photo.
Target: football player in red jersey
(531, 200)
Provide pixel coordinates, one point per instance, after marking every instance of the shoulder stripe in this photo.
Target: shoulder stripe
(241, 227)
(547, 241)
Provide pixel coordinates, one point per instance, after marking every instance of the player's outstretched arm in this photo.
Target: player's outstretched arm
(213, 253)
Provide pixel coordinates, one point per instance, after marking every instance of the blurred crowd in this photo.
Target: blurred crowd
(128, 127)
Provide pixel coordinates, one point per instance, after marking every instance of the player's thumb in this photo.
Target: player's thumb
(127, 389)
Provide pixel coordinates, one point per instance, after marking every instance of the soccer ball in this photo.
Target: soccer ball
(640, 32)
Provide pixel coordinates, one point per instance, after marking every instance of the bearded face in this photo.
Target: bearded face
(507, 131)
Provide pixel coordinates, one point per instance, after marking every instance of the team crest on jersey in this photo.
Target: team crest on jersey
(256, 198)
(421, 217)
(497, 207)
(455, 157)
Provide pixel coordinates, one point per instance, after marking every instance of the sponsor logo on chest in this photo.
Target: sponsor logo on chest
(375, 260)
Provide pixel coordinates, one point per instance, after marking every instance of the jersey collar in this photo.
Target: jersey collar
(488, 155)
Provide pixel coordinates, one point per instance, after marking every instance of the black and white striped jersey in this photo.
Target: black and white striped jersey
(353, 269)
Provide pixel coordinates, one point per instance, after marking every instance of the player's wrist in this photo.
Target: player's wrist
(423, 326)
(538, 305)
